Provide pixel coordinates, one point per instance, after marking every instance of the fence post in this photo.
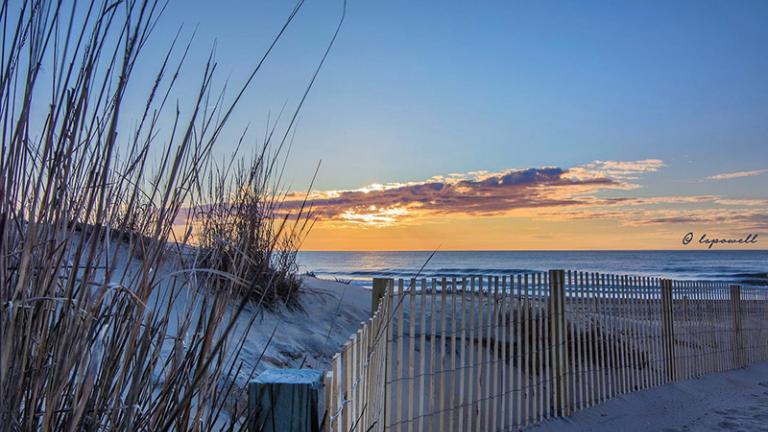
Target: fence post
(378, 291)
(668, 328)
(738, 341)
(558, 341)
(325, 410)
(285, 400)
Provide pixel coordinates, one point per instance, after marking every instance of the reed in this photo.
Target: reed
(247, 229)
(109, 319)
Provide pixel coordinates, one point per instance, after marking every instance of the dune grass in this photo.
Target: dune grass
(245, 230)
(96, 219)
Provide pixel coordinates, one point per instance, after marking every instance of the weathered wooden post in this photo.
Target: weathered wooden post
(668, 328)
(558, 341)
(738, 337)
(285, 400)
(325, 410)
(378, 292)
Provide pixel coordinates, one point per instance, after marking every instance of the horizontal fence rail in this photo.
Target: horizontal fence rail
(496, 353)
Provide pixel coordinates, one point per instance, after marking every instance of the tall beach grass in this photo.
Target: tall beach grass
(110, 318)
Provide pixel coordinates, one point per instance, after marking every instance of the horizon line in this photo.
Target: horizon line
(541, 250)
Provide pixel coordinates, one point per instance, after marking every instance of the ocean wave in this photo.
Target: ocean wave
(439, 271)
(749, 268)
(760, 275)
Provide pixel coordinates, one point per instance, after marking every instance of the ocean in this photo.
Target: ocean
(747, 267)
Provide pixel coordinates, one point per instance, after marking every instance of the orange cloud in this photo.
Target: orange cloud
(533, 208)
(475, 194)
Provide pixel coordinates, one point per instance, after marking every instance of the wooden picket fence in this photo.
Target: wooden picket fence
(489, 353)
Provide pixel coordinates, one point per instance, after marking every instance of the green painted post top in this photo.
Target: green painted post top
(310, 377)
(285, 400)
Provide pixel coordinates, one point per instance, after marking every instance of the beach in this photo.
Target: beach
(329, 313)
(735, 400)
(383, 216)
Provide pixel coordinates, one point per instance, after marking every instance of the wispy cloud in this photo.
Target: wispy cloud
(737, 174)
(724, 219)
(700, 211)
(627, 170)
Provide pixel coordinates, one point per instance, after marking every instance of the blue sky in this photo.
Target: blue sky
(414, 90)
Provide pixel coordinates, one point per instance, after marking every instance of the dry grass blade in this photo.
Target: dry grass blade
(109, 321)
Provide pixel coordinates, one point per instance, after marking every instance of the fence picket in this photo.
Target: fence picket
(546, 341)
(511, 382)
(503, 353)
(519, 353)
(492, 423)
(462, 356)
(442, 389)
(471, 351)
(578, 371)
(485, 348)
(540, 343)
(451, 379)
(634, 331)
(434, 397)
(422, 355)
(535, 343)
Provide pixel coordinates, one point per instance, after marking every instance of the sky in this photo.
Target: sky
(507, 125)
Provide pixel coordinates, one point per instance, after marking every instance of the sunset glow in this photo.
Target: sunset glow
(511, 125)
(597, 205)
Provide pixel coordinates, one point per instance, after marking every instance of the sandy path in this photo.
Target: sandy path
(732, 401)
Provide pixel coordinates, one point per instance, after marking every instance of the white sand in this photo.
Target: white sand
(332, 312)
(733, 401)
(308, 337)
(305, 337)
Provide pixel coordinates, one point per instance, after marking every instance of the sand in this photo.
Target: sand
(304, 337)
(732, 401)
(331, 313)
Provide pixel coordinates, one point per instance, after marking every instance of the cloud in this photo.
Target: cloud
(724, 219)
(479, 193)
(539, 194)
(742, 202)
(738, 174)
(627, 170)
